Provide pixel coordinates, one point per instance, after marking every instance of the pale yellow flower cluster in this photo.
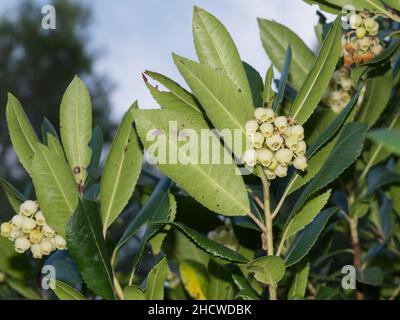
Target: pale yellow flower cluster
(277, 143)
(29, 230)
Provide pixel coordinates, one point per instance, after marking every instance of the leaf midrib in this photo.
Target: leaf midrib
(214, 182)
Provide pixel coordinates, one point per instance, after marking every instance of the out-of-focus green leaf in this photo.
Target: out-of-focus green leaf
(267, 270)
(299, 284)
(194, 278)
(156, 280)
(13, 195)
(64, 291)
(220, 284)
(390, 139)
(134, 293)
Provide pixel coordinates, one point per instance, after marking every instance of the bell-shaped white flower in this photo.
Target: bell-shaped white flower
(29, 208)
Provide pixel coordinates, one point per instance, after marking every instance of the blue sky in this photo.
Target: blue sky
(141, 34)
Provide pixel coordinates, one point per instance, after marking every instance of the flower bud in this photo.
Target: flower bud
(264, 115)
(281, 171)
(48, 231)
(357, 59)
(35, 236)
(346, 84)
(348, 61)
(302, 148)
(275, 142)
(250, 157)
(370, 24)
(374, 31)
(284, 157)
(22, 244)
(364, 43)
(265, 156)
(281, 123)
(361, 33)
(46, 246)
(28, 208)
(251, 127)
(297, 131)
(270, 174)
(355, 21)
(274, 163)
(17, 221)
(36, 250)
(300, 163)
(292, 143)
(377, 49)
(267, 129)
(5, 229)
(28, 225)
(60, 242)
(40, 219)
(340, 74)
(14, 234)
(257, 140)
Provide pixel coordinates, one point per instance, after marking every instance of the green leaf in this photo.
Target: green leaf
(226, 106)
(215, 47)
(13, 195)
(307, 238)
(23, 288)
(134, 293)
(390, 139)
(246, 291)
(283, 80)
(194, 278)
(177, 96)
(55, 145)
(334, 6)
(307, 214)
(48, 128)
(156, 280)
(121, 171)
(12, 263)
(220, 282)
(88, 248)
(276, 38)
(64, 291)
(256, 84)
(393, 3)
(76, 128)
(268, 93)
(377, 96)
(267, 270)
(326, 293)
(299, 284)
(96, 145)
(216, 186)
(346, 150)
(157, 241)
(320, 75)
(55, 188)
(372, 276)
(152, 205)
(23, 137)
(211, 246)
(380, 178)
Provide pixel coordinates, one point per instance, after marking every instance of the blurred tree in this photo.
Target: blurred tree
(36, 65)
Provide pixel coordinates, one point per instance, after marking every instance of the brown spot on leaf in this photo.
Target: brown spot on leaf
(77, 170)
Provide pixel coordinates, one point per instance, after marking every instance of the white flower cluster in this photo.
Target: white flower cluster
(29, 230)
(339, 91)
(361, 44)
(277, 143)
(225, 235)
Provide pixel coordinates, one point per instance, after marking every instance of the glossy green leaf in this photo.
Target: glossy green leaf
(88, 248)
(211, 246)
(156, 280)
(377, 96)
(216, 186)
(121, 171)
(276, 38)
(96, 145)
(134, 293)
(220, 286)
(268, 93)
(55, 145)
(268, 269)
(226, 106)
(307, 238)
(13, 195)
(283, 80)
(76, 128)
(153, 205)
(256, 84)
(299, 284)
(55, 188)
(390, 139)
(215, 47)
(320, 75)
(307, 214)
(23, 137)
(176, 96)
(346, 150)
(64, 291)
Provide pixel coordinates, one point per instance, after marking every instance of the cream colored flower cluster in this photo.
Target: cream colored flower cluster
(339, 91)
(277, 143)
(29, 230)
(361, 44)
(225, 235)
